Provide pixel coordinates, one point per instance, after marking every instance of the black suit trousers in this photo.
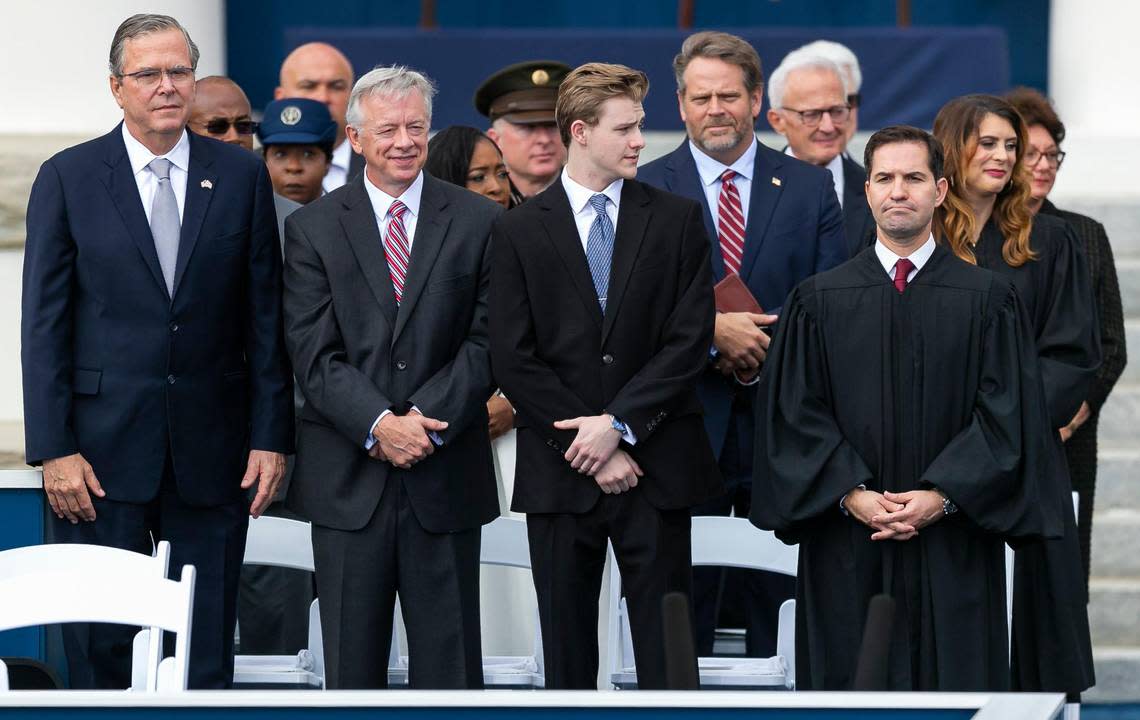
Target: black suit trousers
(568, 554)
(212, 539)
(360, 573)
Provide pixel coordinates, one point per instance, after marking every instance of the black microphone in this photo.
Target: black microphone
(680, 651)
(871, 671)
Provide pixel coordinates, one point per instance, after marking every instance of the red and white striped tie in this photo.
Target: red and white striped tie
(396, 247)
(730, 223)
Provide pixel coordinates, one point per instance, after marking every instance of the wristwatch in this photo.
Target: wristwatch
(617, 425)
(948, 506)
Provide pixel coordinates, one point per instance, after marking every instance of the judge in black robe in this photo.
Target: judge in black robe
(1051, 649)
(934, 388)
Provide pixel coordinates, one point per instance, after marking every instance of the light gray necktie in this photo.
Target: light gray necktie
(165, 225)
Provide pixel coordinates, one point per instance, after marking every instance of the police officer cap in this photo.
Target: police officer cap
(296, 121)
(524, 93)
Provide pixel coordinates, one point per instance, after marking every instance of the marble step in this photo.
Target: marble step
(1120, 418)
(1117, 674)
(1114, 612)
(1116, 545)
(1118, 479)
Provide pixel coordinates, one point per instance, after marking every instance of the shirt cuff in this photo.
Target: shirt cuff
(371, 439)
(432, 434)
(842, 507)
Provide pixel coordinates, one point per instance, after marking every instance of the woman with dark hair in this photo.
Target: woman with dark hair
(986, 220)
(1043, 158)
(466, 157)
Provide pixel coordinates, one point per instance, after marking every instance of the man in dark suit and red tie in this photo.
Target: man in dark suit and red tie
(601, 321)
(774, 221)
(156, 385)
(386, 319)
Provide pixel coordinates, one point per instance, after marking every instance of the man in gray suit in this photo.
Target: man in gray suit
(386, 322)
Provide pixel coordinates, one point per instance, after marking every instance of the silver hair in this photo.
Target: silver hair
(391, 80)
(798, 60)
(145, 24)
(842, 56)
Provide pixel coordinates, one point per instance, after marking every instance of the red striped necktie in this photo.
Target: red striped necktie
(730, 223)
(396, 247)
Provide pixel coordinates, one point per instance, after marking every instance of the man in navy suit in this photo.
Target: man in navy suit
(156, 384)
(774, 221)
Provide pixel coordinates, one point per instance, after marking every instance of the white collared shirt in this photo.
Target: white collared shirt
(337, 174)
(139, 157)
(919, 257)
(709, 170)
(579, 197)
(836, 169)
(382, 202)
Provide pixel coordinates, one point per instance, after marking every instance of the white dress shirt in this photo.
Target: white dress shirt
(147, 181)
(836, 169)
(919, 257)
(710, 170)
(337, 174)
(579, 196)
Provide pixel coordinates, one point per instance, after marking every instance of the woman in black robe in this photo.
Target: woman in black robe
(986, 220)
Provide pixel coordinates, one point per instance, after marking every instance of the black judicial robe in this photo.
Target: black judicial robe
(935, 387)
(1052, 651)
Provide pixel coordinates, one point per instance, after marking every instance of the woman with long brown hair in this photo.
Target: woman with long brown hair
(986, 220)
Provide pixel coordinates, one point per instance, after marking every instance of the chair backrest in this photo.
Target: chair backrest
(84, 593)
(504, 542)
(279, 542)
(68, 556)
(735, 542)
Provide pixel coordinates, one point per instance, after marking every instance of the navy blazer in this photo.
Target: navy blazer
(794, 230)
(858, 222)
(117, 369)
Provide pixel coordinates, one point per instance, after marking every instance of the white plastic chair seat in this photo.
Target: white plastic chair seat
(278, 670)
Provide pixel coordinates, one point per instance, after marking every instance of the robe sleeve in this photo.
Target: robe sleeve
(999, 469)
(803, 465)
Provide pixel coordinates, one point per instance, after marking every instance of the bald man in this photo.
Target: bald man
(318, 71)
(222, 111)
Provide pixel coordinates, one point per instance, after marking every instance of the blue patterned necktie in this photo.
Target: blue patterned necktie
(600, 248)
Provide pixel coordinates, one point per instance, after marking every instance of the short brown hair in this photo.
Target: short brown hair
(906, 134)
(582, 93)
(720, 46)
(1036, 109)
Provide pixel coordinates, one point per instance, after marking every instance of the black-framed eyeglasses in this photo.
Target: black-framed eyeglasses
(221, 126)
(811, 118)
(1052, 159)
(854, 100)
(151, 77)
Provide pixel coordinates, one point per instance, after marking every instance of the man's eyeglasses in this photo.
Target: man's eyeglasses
(1053, 159)
(151, 77)
(811, 118)
(221, 126)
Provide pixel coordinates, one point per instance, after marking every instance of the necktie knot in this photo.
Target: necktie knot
(902, 271)
(397, 210)
(727, 176)
(599, 203)
(161, 168)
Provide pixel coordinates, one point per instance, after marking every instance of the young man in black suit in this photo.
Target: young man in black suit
(601, 322)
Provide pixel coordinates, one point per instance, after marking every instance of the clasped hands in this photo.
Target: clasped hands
(403, 440)
(595, 452)
(894, 516)
(741, 344)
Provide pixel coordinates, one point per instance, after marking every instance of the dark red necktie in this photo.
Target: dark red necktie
(396, 248)
(902, 269)
(731, 227)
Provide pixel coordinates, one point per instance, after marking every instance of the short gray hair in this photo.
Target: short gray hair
(842, 56)
(392, 80)
(799, 60)
(145, 24)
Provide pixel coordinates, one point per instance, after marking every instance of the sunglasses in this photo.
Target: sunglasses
(220, 126)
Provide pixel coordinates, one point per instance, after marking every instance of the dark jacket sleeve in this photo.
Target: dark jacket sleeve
(831, 237)
(1106, 286)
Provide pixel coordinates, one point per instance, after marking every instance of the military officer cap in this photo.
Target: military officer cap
(296, 121)
(523, 93)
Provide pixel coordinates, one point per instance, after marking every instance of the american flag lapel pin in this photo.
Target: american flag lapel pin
(776, 181)
(210, 186)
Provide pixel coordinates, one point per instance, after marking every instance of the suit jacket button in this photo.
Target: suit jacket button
(401, 365)
(608, 359)
(170, 379)
(173, 327)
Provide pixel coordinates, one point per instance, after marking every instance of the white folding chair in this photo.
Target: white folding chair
(723, 542)
(111, 561)
(48, 596)
(503, 543)
(285, 543)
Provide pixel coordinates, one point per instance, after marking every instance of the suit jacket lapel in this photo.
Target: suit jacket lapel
(201, 184)
(633, 218)
(431, 228)
(124, 192)
(563, 233)
(359, 223)
(764, 196)
(683, 179)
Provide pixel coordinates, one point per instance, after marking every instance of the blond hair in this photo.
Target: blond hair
(587, 87)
